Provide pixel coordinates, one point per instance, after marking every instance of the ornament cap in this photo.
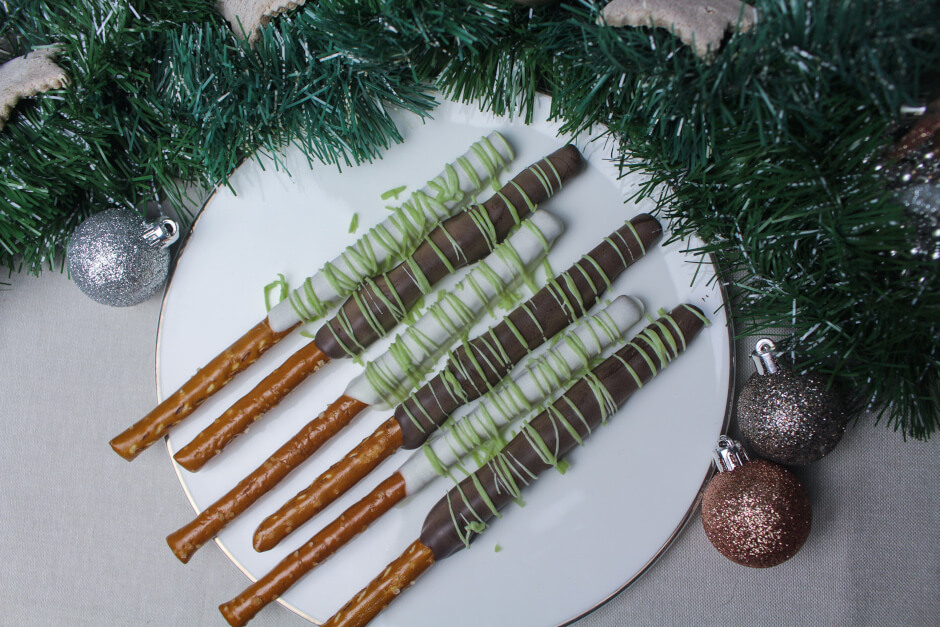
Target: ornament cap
(162, 233)
(729, 455)
(763, 356)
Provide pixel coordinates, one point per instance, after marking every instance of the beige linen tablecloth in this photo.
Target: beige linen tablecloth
(82, 539)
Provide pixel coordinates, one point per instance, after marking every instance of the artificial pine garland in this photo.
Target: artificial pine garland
(769, 149)
(99, 143)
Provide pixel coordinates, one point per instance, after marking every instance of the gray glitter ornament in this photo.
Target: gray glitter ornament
(116, 258)
(755, 513)
(786, 417)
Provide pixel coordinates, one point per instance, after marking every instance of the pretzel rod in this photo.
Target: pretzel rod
(473, 295)
(321, 546)
(185, 541)
(329, 486)
(249, 408)
(457, 518)
(540, 378)
(473, 369)
(393, 239)
(381, 304)
(209, 380)
(400, 575)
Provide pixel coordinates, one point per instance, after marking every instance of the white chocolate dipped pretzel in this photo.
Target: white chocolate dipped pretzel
(396, 236)
(388, 379)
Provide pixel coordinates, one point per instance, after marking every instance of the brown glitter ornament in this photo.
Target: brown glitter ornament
(786, 417)
(755, 513)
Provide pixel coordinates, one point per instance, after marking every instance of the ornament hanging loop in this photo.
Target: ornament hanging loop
(161, 233)
(729, 454)
(763, 356)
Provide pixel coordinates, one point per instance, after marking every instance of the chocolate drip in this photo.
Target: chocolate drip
(478, 365)
(381, 304)
(459, 516)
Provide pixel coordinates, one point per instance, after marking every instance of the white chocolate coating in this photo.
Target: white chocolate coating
(388, 379)
(373, 252)
(541, 377)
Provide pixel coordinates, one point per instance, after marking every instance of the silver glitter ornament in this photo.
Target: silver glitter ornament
(116, 258)
(923, 208)
(755, 513)
(786, 417)
(915, 157)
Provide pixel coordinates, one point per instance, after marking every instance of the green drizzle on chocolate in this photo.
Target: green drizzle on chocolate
(410, 222)
(479, 434)
(393, 382)
(658, 344)
(476, 362)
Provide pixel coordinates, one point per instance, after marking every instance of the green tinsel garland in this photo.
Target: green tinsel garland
(769, 149)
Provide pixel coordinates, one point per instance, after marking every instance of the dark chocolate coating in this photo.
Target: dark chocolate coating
(475, 367)
(523, 458)
(399, 287)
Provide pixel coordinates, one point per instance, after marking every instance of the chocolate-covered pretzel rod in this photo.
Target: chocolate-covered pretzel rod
(386, 243)
(541, 377)
(555, 432)
(363, 319)
(481, 363)
(456, 519)
(380, 304)
(471, 371)
(411, 355)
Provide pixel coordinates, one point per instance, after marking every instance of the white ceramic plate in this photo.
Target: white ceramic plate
(582, 536)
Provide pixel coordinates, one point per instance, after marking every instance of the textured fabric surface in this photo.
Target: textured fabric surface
(82, 539)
